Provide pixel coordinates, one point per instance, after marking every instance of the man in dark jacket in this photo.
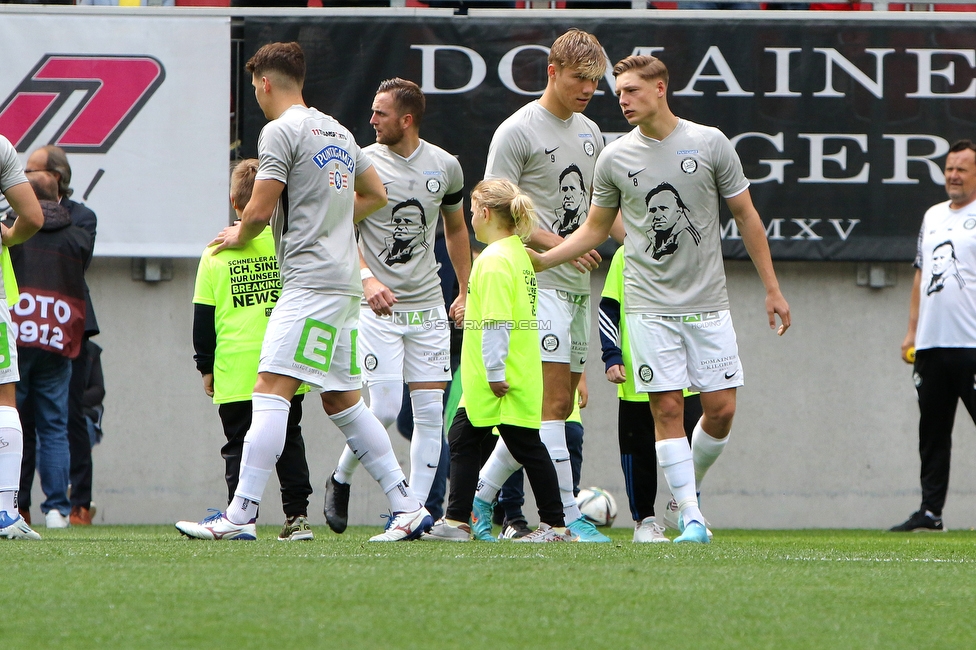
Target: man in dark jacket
(50, 324)
(53, 160)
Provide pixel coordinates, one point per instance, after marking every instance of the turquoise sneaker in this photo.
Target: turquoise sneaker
(675, 520)
(695, 533)
(586, 531)
(481, 512)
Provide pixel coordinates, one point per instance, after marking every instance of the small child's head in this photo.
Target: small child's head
(242, 183)
(506, 202)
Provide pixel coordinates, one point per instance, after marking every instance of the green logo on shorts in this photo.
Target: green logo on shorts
(354, 362)
(316, 345)
(4, 347)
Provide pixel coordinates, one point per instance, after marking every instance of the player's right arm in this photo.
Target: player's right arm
(909, 341)
(543, 240)
(255, 218)
(29, 220)
(593, 232)
(370, 194)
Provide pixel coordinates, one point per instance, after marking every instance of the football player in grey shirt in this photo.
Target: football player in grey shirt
(403, 332)
(549, 149)
(312, 183)
(666, 177)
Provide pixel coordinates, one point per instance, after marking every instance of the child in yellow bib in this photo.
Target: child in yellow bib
(235, 291)
(501, 370)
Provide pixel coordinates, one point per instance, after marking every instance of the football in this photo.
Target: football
(597, 505)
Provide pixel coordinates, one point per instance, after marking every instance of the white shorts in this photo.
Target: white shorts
(564, 327)
(696, 351)
(9, 371)
(312, 336)
(410, 346)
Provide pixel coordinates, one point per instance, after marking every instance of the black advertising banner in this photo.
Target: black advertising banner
(842, 125)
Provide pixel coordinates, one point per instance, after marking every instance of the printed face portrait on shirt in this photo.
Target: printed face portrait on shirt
(572, 192)
(669, 218)
(942, 258)
(944, 268)
(663, 208)
(409, 225)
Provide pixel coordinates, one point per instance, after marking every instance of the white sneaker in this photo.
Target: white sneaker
(54, 519)
(405, 526)
(445, 532)
(546, 533)
(217, 526)
(648, 531)
(15, 528)
(673, 520)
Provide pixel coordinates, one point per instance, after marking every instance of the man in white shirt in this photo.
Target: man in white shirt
(942, 329)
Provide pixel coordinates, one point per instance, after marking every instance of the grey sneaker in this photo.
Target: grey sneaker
(648, 531)
(442, 531)
(295, 529)
(546, 533)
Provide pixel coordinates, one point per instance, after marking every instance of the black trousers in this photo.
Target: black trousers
(943, 376)
(471, 446)
(638, 455)
(79, 442)
(292, 466)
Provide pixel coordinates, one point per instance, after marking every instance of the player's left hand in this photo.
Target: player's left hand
(776, 304)
(499, 388)
(229, 237)
(456, 313)
(584, 393)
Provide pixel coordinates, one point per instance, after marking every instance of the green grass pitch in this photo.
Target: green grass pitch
(146, 587)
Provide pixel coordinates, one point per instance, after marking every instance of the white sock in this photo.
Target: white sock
(262, 448)
(346, 466)
(425, 446)
(499, 466)
(705, 450)
(11, 455)
(384, 403)
(674, 457)
(370, 443)
(553, 434)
